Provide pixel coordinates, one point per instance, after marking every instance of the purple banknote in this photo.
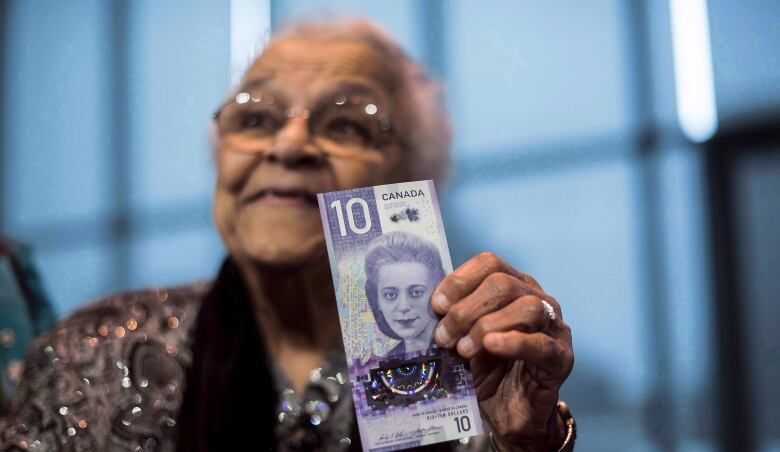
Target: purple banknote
(388, 253)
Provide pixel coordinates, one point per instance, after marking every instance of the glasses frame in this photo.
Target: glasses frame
(369, 107)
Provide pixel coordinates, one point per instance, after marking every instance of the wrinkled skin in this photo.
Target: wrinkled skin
(290, 234)
(519, 356)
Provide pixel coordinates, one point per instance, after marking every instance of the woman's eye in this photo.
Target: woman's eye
(417, 292)
(258, 121)
(390, 295)
(348, 132)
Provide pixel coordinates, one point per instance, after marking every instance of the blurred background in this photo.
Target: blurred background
(626, 153)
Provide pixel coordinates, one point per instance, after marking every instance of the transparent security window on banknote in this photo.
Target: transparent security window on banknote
(388, 252)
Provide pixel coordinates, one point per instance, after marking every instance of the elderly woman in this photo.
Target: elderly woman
(253, 360)
(402, 270)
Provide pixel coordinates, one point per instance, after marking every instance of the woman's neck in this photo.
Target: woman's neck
(296, 311)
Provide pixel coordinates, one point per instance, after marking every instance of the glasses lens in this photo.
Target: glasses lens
(253, 118)
(350, 124)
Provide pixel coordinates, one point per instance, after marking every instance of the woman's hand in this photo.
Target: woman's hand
(494, 316)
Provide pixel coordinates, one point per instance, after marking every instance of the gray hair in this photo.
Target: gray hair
(390, 248)
(422, 117)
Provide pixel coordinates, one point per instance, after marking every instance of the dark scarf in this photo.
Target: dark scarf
(230, 398)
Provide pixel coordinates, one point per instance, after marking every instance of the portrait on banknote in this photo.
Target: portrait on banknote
(402, 270)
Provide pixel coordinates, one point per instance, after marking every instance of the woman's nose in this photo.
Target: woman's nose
(403, 304)
(292, 145)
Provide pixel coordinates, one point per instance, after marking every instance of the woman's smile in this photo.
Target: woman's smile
(406, 323)
(283, 197)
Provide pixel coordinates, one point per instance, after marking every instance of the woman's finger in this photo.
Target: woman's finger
(526, 314)
(554, 356)
(496, 291)
(466, 278)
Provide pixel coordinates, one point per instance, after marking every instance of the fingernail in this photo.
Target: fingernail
(443, 335)
(465, 345)
(441, 301)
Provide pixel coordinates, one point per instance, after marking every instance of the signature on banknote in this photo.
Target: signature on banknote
(405, 436)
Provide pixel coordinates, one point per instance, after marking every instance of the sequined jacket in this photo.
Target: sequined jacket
(111, 375)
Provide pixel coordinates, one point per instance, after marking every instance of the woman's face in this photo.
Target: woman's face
(306, 123)
(404, 293)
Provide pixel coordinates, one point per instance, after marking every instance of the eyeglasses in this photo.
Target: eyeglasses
(347, 119)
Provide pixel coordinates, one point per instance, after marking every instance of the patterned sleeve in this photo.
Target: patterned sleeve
(35, 422)
(108, 377)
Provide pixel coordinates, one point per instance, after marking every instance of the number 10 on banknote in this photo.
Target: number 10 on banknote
(388, 252)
